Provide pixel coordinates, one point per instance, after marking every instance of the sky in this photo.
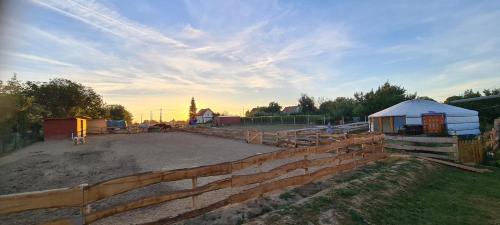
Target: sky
(234, 55)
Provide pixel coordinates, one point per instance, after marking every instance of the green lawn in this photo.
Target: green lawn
(399, 192)
(445, 196)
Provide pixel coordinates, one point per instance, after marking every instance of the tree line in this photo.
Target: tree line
(26, 104)
(363, 104)
(360, 105)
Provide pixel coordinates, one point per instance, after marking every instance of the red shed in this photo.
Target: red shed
(61, 128)
(226, 120)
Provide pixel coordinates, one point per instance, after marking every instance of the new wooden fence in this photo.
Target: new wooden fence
(433, 147)
(449, 148)
(218, 132)
(83, 196)
(296, 138)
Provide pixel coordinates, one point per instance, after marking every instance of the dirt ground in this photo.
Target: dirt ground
(56, 164)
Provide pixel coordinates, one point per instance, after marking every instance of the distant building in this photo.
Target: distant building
(62, 128)
(291, 110)
(226, 120)
(204, 116)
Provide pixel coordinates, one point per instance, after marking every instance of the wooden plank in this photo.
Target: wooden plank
(429, 155)
(116, 186)
(262, 189)
(449, 140)
(154, 200)
(63, 222)
(419, 148)
(456, 165)
(56, 198)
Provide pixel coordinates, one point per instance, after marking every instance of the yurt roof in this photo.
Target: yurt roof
(417, 107)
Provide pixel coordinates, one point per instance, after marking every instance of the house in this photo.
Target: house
(204, 116)
(425, 116)
(96, 126)
(62, 128)
(227, 120)
(291, 110)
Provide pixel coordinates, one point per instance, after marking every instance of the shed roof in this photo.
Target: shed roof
(417, 107)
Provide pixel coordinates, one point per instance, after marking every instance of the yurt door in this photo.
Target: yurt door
(433, 124)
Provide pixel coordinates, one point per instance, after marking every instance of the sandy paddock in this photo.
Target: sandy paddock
(57, 164)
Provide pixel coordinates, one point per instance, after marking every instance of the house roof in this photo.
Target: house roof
(417, 107)
(290, 109)
(475, 99)
(203, 111)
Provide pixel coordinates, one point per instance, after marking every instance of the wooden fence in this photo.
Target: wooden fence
(296, 138)
(433, 147)
(449, 148)
(218, 132)
(471, 151)
(83, 196)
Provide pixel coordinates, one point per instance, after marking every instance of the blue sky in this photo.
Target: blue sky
(233, 55)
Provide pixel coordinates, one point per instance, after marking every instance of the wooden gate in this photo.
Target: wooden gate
(433, 124)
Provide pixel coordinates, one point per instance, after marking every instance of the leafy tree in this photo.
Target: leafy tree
(488, 92)
(307, 104)
(65, 98)
(340, 107)
(425, 98)
(118, 112)
(273, 107)
(192, 109)
(469, 93)
(385, 96)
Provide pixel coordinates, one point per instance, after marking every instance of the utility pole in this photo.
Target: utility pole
(150, 116)
(141, 119)
(160, 114)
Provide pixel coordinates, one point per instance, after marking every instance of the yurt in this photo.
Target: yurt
(425, 116)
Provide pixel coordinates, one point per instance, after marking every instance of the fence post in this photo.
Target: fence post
(295, 138)
(281, 118)
(261, 137)
(293, 119)
(317, 139)
(306, 168)
(324, 119)
(194, 184)
(456, 147)
(84, 208)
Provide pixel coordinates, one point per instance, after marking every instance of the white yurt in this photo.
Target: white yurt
(429, 116)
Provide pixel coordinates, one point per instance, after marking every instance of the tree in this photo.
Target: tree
(118, 112)
(488, 92)
(469, 93)
(425, 98)
(273, 107)
(65, 98)
(385, 96)
(192, 110)
(306, 104)
(340, 107)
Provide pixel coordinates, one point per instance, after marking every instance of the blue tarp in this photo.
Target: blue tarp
(122, 124)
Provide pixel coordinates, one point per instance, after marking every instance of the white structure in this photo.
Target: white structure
(430, 115)
(204, 116)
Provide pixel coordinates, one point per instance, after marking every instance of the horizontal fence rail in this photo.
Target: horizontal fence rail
(84, 195)
(433, 147)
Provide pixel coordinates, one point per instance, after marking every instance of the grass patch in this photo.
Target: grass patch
(445, 196)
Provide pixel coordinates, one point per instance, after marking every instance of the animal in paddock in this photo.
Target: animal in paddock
(163, 127)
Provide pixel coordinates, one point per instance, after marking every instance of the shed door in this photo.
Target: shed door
(433, 124)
